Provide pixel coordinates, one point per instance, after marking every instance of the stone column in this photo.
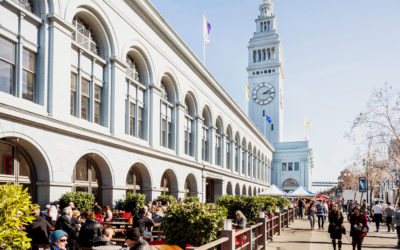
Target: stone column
(59, 67)
(154, 116)
(180, 130)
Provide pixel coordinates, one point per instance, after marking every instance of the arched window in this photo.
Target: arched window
(189, 126)
(16, 166)
(165, 184)
(136, 95)
(87, 177)
(269, 53)
(244, 156)
(249, 161)
(237, 189)
(167, 113)
(244, 190)
(190, 187)
(25, 4)
(290, 183)
(134, 181)
(237, 153)
(249, 193)
(87, 74)
(229, 188)
(206, 131)
(218, 143)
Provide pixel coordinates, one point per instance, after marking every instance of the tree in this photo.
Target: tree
(378, 129)
(16, 211)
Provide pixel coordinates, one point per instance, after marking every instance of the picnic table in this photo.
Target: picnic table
(116, 224)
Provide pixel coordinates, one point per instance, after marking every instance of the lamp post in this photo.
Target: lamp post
(365, 164)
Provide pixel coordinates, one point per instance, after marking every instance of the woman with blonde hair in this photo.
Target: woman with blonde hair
(240, 220)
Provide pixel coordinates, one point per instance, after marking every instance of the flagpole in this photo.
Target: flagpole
(204, 42)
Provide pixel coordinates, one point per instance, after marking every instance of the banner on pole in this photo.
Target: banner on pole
(362, 184)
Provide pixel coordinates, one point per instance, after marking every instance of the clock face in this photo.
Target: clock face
(263, 93)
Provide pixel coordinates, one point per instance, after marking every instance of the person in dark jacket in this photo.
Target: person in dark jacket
(358, 230)
(64, 223)
(105, 238)
(90, 231)
(96, 208)
(39, 229)
(335, 227)
(240, 220)
(143, 222)
(134, 240)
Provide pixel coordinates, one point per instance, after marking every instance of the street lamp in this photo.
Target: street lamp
(365, 164)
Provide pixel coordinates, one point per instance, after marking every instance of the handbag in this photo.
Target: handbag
(343, 230)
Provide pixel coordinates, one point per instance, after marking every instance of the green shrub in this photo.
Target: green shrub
(164, 198)
(193, 223)
(269, 202)
(191, 199)
(14, 199)
(133, 202)
(83, 201)
(251, 206)
(282, 203)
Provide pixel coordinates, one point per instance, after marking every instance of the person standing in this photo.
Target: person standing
(396, 222)
(39, 229)
(143, 222)
(358, 229)
(240, 220)
(311, 214)
(65, 224)
(377, 212)
(321, 214)
(335, 227)
(364, 206)
(301, 206)
(389, 212)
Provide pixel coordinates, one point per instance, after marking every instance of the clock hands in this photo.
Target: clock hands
(266, 92)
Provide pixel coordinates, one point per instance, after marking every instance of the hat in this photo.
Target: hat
(133, 234)
(57, 235)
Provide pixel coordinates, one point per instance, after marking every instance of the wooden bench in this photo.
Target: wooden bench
(165, 247)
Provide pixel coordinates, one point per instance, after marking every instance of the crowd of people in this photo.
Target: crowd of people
(357, 216)
(73, 228)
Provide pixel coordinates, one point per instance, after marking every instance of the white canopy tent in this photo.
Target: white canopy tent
(301, 192)
(273, 191)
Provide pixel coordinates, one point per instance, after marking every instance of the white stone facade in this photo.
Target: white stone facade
(77, 108)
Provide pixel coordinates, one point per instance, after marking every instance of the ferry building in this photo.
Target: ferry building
(104, 97)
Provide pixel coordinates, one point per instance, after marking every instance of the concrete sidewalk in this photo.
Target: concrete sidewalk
(299, 236)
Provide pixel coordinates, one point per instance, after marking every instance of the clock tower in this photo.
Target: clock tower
(265, 74)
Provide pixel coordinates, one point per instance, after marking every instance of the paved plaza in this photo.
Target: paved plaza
(299, 237)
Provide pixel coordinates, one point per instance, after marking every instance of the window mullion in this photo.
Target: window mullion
(91, 92)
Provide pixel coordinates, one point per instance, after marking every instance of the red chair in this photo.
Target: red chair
(127, 215)
(244, 238)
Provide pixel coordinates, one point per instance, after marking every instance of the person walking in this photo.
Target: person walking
(396, 222)
(364, 206)
(301, 206)
(311, 214)
(389, 212)
(377, 212)
(335, 227)
(358, 229)
(321, 211)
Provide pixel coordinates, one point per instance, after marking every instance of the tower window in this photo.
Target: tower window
(265, 71)
(272, 127)
(263, 112)
(258, 72)
(269, 71)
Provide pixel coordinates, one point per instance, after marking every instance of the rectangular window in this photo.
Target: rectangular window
(140, 123)
(28, 75)
(296, 166)
(7, 62)
(97, 104)
(163, 132)
(85, 99)
(284, 166)
(186, 142)
(169, 134)
(132, 121)
(290, 166)
(73, 93)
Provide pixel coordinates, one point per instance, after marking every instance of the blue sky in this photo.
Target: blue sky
(335, 54)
